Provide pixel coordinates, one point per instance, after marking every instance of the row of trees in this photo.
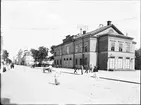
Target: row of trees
(5, 56)
(138, 59)
(39, 55)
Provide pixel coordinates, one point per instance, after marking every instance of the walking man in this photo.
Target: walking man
(95, 72)
(82, 69)
(56, 77)
(90, 68)
(87, 68)
(75, 70)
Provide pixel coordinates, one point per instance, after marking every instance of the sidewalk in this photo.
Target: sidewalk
(122, 76)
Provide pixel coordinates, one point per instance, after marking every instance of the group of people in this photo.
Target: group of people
(92, 69)
(7, 66)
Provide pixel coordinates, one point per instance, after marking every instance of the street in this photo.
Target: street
(25, 85)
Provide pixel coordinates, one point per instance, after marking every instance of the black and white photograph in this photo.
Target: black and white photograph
(70, 52)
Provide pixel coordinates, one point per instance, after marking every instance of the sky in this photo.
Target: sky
(29, 24)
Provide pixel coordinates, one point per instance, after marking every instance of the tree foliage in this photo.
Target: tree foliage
(20, 56)
(40, 54)
(52, 49)
(5, 55)
(34, 54)
(138, 59)
(43, 53)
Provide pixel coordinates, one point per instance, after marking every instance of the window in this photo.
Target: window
(64, 51)
(76, 48)
(127, 47)
(127, 63)
(111, 62)
(86, 47)
(120, 47)
(67, 49)
(76, 61)
(55, 53)
(70, 58)
(80, 47)
(120, 57)
(67, 59)
(112, 57)
(112, 46)
(64, 59)
(80, 61)
(120, 63)
(85, 61)
(60, 52)
(57, 62)
(110, 31)
(60, 62)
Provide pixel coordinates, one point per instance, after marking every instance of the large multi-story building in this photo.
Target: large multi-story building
(106, 47)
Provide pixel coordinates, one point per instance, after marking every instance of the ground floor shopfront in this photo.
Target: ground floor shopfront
(106, 61)
(121, 61)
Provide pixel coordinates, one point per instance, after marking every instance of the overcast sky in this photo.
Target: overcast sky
(34, 23)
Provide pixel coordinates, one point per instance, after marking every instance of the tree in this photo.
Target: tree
(5, 55)
(43, 53)
(20, 56)
(35, 54)
(8, 60)
(51, 58)
(138, 59)
(40, 54)
(52, 49)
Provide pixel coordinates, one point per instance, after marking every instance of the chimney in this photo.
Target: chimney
(84, 32)
(108, 22)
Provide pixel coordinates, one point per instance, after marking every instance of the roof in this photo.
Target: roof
(102, 29)
(116, 35)
(58, 45)
(94, 32)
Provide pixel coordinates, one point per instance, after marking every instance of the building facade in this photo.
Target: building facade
(106, 47)
(28, 59)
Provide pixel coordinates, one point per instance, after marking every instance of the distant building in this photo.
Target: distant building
(28, 59)
(106, 47)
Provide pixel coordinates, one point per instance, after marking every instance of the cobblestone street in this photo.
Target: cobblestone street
(25, 85)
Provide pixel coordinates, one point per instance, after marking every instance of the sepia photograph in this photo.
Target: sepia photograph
(70, 52)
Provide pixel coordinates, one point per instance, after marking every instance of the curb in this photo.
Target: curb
(107, 78)
(120, 80)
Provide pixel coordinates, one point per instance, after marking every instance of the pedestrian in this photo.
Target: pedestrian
(82, 69)
(90, 68)
(4, 68)
(87, 68)
(12, 65)
(8, 66)
(95, 72)
(50, 68)
(56, 77)
(75, 70)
